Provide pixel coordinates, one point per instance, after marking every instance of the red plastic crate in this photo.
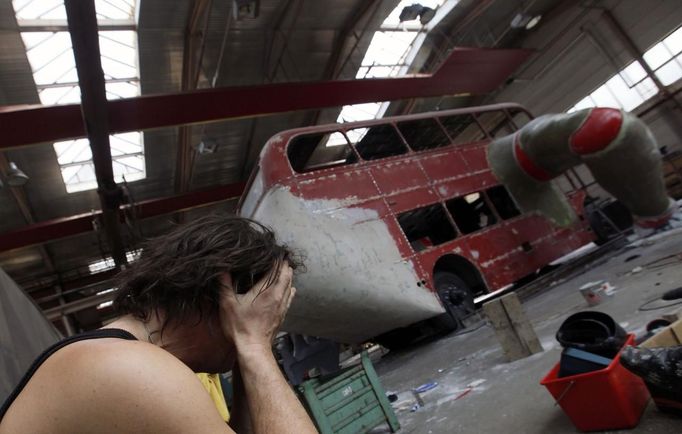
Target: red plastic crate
(607, 399)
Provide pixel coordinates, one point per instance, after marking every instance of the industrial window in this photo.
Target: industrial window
(376, 142)
(631, 86)
(496, 123)
(426, 227)
(503, 202)
(43, 29)
(462, 128)
(471, 213)
(423, 134)
(319, 151)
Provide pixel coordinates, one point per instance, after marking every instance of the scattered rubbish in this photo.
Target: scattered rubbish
(418, 398)
(441, 370)
(464, 393)
(657, 284)
(594, 292)
(665, 261)
(404, 401)
(392, 397)
(415, 408)
(630, 258)
(636, 270)
(656, 325)
(426, 387)
(476, 383)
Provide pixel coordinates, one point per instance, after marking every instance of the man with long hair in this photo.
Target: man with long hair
(208, 297)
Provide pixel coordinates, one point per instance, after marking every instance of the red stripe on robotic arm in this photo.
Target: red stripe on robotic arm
(597, 132)
(526, 164)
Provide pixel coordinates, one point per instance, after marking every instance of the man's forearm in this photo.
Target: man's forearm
(240, 414)
(273, 405)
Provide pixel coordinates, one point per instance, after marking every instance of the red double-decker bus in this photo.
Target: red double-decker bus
(400, 220)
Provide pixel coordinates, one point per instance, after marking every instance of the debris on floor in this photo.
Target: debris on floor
(479, 391)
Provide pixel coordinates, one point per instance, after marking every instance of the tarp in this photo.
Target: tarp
(24, 333)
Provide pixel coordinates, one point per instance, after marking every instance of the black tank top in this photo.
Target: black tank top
(95, 334)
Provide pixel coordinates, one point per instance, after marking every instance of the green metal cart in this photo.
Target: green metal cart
(350, 403)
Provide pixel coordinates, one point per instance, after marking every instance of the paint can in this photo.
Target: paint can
(595, 292)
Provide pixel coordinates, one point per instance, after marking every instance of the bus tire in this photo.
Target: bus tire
(457, 299)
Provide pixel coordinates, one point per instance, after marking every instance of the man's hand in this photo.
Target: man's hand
(251, 320)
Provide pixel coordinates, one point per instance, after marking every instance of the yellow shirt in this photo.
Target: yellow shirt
(212, 385)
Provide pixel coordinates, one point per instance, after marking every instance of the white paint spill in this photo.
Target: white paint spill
(477, 383)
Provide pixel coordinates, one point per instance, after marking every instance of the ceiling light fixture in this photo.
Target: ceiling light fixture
(525, 21)
(245, 9)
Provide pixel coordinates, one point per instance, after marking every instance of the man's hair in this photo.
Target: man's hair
(179, 273)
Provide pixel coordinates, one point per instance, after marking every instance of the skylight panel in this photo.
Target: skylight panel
(50, 55)
(108, 262)
(386, 56)
(39, 9)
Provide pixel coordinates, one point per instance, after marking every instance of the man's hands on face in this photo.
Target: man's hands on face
(251, 320)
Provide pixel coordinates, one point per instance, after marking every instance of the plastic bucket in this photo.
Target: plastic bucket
(607, 399)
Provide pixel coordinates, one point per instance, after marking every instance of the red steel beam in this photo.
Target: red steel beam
(50, 230)
(467, 70)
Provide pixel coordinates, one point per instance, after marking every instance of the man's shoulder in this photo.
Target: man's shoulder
(116, 363)
(133, 385)
(94, 385)
(112, 354)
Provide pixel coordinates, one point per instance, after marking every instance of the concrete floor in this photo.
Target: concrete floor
(507, 397)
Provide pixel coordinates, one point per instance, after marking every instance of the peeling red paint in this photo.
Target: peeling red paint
(598, 131)
(397, 184)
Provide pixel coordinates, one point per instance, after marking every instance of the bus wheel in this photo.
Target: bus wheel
(457, 299)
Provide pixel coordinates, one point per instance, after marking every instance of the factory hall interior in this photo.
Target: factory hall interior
(340, 216)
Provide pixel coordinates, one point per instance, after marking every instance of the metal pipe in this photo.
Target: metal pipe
(223, 44)
(82, 21)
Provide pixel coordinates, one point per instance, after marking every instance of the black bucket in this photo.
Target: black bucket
(594, 332)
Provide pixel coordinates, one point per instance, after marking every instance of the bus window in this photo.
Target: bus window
(496, 123)
(317, 151)
(462, 128)
(376, 142)
(503, 202)
(471, 213)
(422, 134)
(426, 227)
